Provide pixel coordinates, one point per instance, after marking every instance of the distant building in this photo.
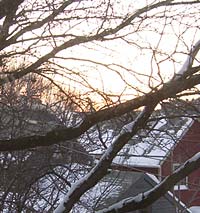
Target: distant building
(21, 170)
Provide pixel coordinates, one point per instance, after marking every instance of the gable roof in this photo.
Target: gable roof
(151, 146)
(130, 184)
(150, 149)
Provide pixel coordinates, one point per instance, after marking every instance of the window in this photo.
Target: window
(182, 184)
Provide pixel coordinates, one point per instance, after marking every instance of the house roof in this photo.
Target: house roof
(130, 184)
(36, 118)
(150, 148)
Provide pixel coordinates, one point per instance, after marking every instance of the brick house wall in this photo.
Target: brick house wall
(184, 149)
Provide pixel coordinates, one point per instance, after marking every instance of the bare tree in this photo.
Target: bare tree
(149, 49)
(34, 179)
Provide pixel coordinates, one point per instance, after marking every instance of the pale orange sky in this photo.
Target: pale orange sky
(119, 52)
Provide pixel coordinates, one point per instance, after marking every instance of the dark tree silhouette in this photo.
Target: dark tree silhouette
(147, 51)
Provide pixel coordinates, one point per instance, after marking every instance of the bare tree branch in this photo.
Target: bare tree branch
(80, 40)
(100, 170)
(147, 198)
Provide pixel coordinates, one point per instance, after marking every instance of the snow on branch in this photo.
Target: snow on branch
(189, 61)
(100, 170)
(147, 198)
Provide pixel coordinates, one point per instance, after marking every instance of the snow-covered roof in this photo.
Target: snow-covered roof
(151, 148)
(148, 148)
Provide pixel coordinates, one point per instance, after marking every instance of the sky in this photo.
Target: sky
(141, 60)
(122, 67)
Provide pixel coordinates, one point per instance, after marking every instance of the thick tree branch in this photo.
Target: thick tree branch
(7, 6)
(100, 170)
(169, 90)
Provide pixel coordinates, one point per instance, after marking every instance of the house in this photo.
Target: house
(188, 190)
(32, 180)
(36, 119)
(130, 184)
(163, 147)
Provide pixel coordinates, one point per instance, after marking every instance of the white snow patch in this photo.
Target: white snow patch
(77, 184)
(189, 59)
(154, 148)
(154, 178)
(60, 207)
(180, 187)
(195, 209)
(161, 123)
(194, 158)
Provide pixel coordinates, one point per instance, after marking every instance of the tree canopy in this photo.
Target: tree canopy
(102, 60)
